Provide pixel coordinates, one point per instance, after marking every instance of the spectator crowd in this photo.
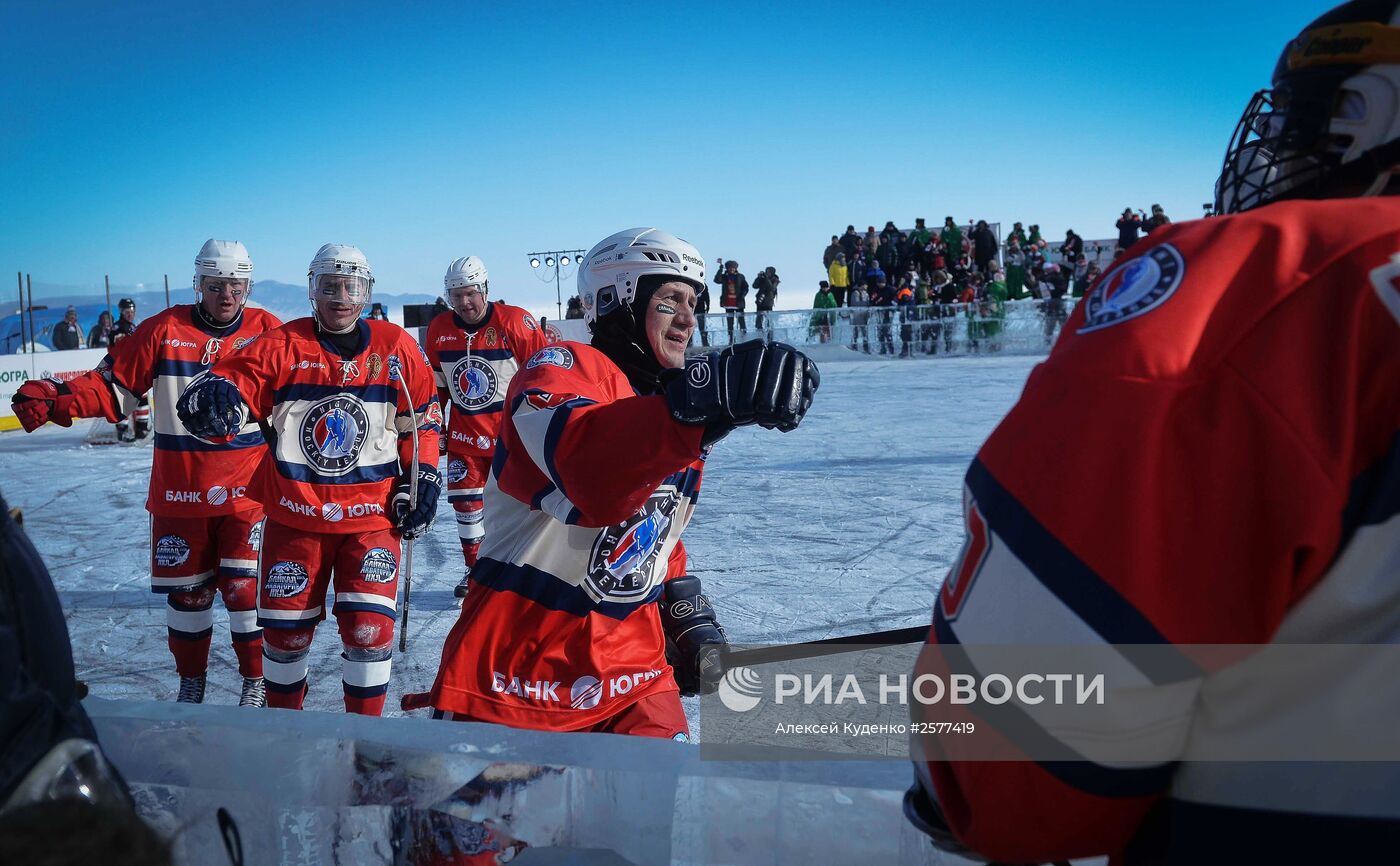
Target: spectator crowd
(923, 282)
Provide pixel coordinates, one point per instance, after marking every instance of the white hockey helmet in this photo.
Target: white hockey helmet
(341, 260)
(222, 259)
(466, 271)
(608, 279)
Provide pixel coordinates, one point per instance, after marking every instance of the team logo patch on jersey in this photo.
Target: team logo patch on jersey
(379, 565)
(242, 341)
(332, 511)
(473, 383)
(490, 338)
(1134, 288)
(374, 365)
(333, 432)
(286, 579)
(456, 471)
(171, 551)
(216, 495)
(255, 535)
(622, 567)
(556, 355)
(530, 322)
(586, 693)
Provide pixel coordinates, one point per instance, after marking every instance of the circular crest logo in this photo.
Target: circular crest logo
(379, 565)
(553, 334)
(1134, 288)
(333, 432)
(332, 512)
(586, 693)
(286, 579)
(216, 495)
(530, 322)
(171, 551)
(740, 690)
(473, 382)
(456, 470)
(622, 567)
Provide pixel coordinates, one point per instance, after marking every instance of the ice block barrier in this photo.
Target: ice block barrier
(310, 788)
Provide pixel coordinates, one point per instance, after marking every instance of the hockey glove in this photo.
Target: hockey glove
(787, 382)
(41, 400)
(695, 640)
(414, 520)
(771, 385)
(211, 407)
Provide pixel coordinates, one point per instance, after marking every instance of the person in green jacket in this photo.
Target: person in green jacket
(1015, 271)
(919, 237)
(822, 318)
(994, 313)
(952, 238)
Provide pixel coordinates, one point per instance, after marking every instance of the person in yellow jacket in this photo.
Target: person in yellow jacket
(840, 277)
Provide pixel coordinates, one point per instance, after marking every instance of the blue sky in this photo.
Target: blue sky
(132, 131)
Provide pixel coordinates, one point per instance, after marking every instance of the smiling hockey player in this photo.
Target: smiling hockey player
(475, 350)
(204, 526)
(581, 616)
(338, 483)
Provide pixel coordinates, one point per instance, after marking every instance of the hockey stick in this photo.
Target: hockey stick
(396, 372)
(828, 646)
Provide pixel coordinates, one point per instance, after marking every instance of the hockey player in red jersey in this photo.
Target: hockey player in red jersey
(475, 350)
(344, 401)
(581, 616)
(1228, 396)
(204, 523)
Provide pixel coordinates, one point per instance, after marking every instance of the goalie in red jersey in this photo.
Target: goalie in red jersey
(1228, 399)
(581, 616)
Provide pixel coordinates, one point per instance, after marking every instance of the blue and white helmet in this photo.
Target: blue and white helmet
(608, 279)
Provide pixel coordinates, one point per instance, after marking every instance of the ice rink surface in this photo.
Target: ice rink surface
(843, 526)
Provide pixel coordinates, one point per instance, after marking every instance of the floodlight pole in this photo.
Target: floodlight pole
(555, 258)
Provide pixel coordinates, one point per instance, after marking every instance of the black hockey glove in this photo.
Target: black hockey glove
(695, 640)
(771, 385)
(414, 522)
(211, 407)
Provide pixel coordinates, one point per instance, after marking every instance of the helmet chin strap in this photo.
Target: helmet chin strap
(620, 336)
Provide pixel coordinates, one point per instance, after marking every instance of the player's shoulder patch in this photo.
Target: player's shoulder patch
(530, 322)
(554, 355)
(1134, 288)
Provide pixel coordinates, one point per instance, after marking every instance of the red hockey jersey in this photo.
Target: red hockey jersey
(189, 477)
(473, 366)
(589, 492)
(1223, 411)
(338, 428)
